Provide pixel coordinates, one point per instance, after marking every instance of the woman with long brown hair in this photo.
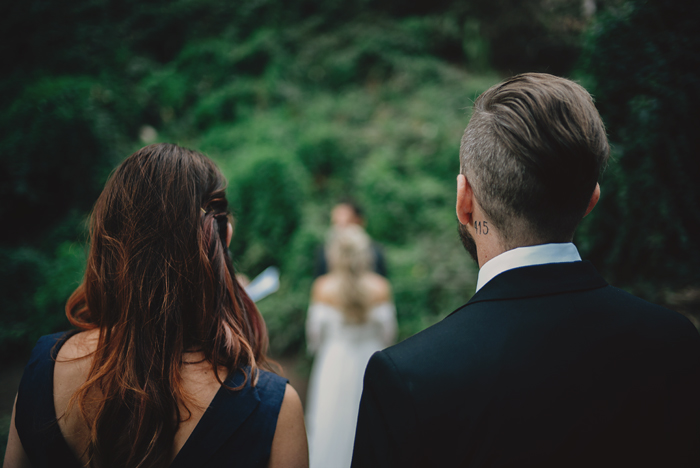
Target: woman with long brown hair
(350, 317)
(165, 367)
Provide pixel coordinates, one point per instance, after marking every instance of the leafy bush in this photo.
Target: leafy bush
(642, 62)
(57, 140)
(394, 152)
(35, 287)
(266, 191)
(301, 103)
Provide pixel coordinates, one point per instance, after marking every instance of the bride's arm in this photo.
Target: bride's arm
(316, 319)
(314, 328)
(387, 319)
(289, 447)
(385, 312)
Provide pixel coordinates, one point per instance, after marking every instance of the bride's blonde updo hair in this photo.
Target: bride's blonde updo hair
(349, 251)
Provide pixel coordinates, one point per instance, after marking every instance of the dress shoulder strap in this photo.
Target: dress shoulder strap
(238, 427)
(35, 414)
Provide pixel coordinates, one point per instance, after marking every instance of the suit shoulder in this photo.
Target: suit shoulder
(654, 313)
(434, 342)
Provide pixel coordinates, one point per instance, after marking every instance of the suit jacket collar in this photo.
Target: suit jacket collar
(540, 280)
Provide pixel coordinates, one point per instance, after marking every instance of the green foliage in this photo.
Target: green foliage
(395, 152)
(642, 62)
(49, 139)
(35, 287)
(533, 35)
(301, 103)
(62, 276)
(266, 192)
(20, 277)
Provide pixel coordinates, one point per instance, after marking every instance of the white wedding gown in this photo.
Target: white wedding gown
(335, 387)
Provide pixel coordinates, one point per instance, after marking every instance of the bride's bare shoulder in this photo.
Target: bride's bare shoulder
(325, 289)
(378, 288)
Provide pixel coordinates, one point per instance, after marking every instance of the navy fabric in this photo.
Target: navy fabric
(35, 417)
(236, 430)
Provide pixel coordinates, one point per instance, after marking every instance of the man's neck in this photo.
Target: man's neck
(490, 247)
(527, 256)
(488, 250)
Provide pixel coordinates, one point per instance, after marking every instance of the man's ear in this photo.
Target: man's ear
(594, 199)
(465, 200)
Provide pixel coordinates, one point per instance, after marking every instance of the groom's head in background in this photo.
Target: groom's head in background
(529, 164)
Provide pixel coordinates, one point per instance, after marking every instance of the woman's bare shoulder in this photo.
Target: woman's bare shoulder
(79, 345)
(71, 371)
(73, 362)
(378, 287)
(324, 289)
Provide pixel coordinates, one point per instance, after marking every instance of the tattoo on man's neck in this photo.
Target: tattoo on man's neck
(481, 227)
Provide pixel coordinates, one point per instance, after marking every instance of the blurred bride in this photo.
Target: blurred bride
(351, 316)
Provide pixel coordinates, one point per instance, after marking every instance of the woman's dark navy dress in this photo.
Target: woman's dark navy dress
(236, 430)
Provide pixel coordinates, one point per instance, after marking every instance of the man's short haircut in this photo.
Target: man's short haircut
(533, 151)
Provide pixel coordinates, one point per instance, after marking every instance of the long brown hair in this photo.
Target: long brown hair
(159, 282)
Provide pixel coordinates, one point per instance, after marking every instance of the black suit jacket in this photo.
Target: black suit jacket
(546, 366)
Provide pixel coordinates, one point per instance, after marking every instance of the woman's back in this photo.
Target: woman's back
(327, 324)
(72, 368)
(170, 341)
(256, 426)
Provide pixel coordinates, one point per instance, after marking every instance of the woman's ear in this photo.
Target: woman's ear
(465, 200)
(229, 233)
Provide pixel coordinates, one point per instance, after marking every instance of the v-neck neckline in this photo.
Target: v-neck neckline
(210, 418)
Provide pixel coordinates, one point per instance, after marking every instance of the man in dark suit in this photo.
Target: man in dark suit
(344, 214)
(547, 365)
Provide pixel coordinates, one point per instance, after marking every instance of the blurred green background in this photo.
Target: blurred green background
(305, 102)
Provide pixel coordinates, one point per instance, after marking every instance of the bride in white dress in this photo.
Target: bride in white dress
(351, 316)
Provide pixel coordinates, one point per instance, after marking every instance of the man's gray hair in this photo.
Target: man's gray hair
(533, 152)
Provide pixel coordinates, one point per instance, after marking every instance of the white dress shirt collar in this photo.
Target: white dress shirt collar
(527, 256)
